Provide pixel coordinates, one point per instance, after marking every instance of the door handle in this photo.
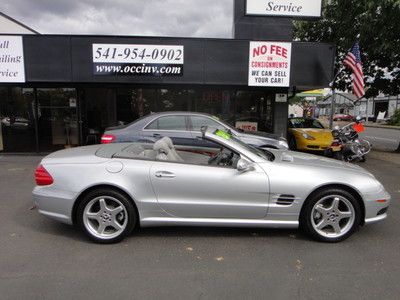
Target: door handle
(164, 174)
(156, 135)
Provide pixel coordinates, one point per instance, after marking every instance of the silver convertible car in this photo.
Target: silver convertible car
(109, 190)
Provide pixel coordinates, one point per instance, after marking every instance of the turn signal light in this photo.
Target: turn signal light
(43, 177)
(381, 201)
(107, 138)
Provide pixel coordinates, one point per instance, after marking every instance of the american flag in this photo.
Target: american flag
(353, 61)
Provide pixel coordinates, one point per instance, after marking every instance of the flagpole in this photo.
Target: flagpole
(332, 108)
(332, 86)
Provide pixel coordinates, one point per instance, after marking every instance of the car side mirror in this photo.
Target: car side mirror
(244, 166)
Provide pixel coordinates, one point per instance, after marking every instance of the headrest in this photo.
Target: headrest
(168, 141)
(161, 146)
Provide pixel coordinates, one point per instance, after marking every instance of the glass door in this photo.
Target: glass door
(57, 118)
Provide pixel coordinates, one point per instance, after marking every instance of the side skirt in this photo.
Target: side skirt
(167, 221)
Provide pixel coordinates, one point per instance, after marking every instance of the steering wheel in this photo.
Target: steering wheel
(222, 158)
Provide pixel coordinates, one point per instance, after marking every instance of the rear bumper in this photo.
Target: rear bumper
(55, 207)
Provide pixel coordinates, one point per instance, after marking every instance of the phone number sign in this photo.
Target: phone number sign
(269, 64)
(154, 54)
(137, 60)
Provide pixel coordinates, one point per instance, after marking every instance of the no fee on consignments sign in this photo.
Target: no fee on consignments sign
(269, 64)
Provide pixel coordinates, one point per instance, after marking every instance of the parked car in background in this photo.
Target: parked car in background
(184, 128)
(371, 118)
(343, 117)
(308, 134)
(108, 190)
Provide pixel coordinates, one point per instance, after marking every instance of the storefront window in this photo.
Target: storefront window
(17, 120)
(135, 103)
(219, 103)
(175, 100)
(49, 120)
(57, 118)
(254, 108)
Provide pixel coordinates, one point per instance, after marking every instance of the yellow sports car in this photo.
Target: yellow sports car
(308, 134)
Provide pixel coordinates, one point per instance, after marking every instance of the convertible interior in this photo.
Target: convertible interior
(165, 150)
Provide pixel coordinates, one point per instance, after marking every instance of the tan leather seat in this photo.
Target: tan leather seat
(166, 150)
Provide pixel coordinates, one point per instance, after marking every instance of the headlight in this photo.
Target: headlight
(307, 136)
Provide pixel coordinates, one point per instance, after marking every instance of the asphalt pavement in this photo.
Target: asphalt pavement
(43, 259)
(382, 138)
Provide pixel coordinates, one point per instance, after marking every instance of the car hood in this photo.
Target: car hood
(315, 132)
(261, 134)
(304, 159)
(262, 139)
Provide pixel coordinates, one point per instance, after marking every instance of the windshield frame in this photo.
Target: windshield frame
(260, 153)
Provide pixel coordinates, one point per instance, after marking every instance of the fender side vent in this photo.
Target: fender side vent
(285, 200)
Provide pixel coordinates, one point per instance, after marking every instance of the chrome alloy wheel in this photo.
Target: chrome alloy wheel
(333, 216)
(105, 217)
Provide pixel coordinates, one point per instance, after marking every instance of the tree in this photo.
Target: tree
(377, 22)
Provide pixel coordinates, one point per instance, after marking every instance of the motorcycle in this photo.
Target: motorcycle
(347, 145)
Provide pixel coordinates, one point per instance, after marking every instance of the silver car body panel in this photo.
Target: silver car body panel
(202, 194)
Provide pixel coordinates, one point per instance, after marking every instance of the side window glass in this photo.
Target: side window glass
(198, 122)
(168, 123)
(153, 125)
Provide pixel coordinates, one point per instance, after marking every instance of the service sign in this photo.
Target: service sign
(287, 8)
(12, 68)
(247, 126)
(269, 64)
(138, 60)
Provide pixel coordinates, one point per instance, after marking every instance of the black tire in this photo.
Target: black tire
(125, 202)
(363, 159)
(306, 215)
(338, 155)
(292, 143)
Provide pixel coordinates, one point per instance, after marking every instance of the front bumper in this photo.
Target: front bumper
(376, 206)
(375, 219)
(312, 145)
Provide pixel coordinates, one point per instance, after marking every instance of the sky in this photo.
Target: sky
(183, 18)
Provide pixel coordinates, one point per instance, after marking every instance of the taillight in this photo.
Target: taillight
(107, 138)
(335, 144)
(43, 177)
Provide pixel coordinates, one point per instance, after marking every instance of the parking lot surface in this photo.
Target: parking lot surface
(43, 259)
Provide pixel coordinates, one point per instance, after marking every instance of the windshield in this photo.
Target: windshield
(305, 123)
(230, 127)
(263, 153)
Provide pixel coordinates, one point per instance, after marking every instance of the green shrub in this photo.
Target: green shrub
(395, 119)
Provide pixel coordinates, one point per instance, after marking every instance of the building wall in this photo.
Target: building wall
(260, 28)
(68, 59)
